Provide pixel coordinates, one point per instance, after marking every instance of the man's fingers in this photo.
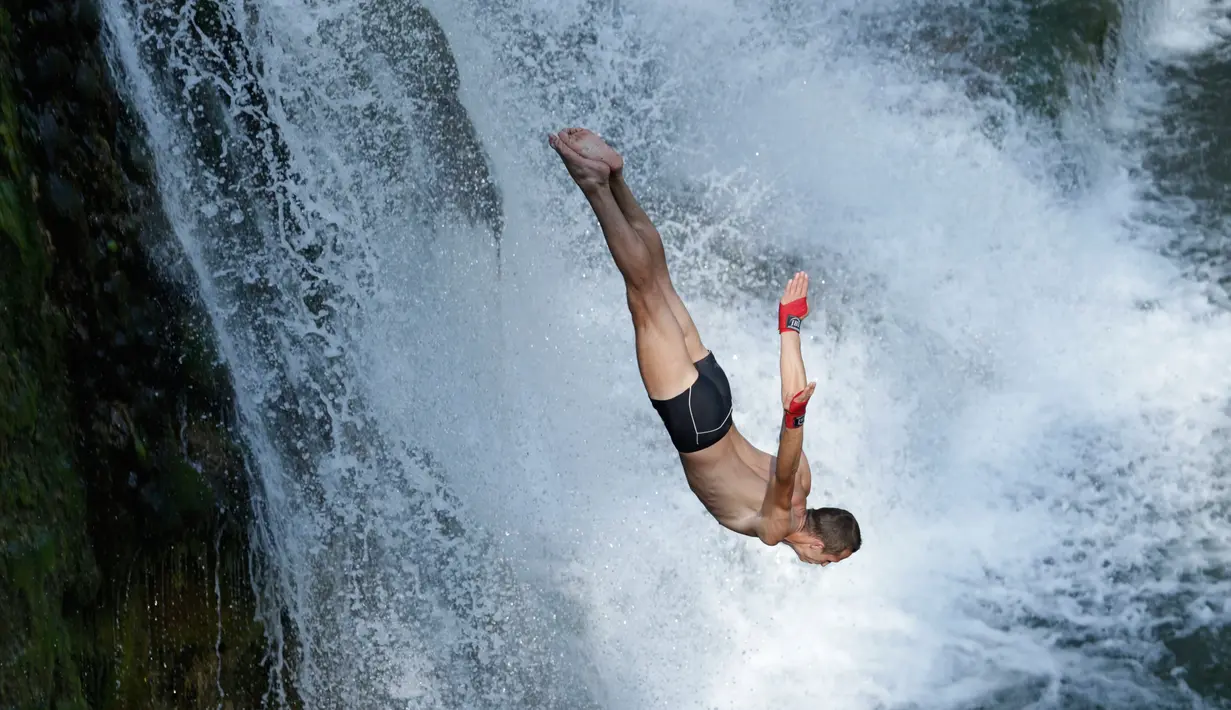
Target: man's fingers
(794, 287)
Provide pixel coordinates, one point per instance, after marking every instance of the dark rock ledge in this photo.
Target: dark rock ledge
(125, 565)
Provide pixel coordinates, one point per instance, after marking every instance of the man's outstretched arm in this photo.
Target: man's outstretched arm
(776, 520)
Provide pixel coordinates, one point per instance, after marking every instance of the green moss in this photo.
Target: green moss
(42, 509)
(42, 518)
(15, 207)
(162, 643)
(123, 546)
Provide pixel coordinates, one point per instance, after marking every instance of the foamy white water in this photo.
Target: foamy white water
(1023, 406)
(1190, 26)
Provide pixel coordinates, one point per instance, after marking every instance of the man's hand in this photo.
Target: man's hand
(796, 406)
(793, 307)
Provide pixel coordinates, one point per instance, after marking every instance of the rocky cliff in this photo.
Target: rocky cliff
(125, 568)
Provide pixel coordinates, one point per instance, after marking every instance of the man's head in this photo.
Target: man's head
(829, 535)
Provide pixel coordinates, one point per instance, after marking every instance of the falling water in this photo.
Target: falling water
(463, 495)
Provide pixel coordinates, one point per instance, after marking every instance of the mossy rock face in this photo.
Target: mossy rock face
(1041, 55)
(124, 558)
(414, 45)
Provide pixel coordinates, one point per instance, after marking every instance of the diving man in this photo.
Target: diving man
(745, 489)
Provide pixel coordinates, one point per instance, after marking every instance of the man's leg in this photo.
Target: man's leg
(593, 147)
(662, 356)
(640, 222)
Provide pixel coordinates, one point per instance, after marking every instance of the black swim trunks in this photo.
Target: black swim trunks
(700, 416)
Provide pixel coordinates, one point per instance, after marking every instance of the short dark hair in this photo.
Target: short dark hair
(836, 528)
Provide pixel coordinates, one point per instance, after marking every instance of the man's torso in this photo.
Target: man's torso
(731, 478)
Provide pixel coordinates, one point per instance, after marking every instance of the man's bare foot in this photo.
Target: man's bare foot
(591, 146)
(589, 173)
(796, 289)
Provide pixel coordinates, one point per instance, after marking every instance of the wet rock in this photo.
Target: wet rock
(87, 17)
(99, 377)
(50, 136)
(416, 47)
(1038, 48)
(66, 204)
(54, 67)
(50, 19)
(89, 84)
(137, 161)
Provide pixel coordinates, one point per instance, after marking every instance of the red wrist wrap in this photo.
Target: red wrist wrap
(794, 416)
(791, 315)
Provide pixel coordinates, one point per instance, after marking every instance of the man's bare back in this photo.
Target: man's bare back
(747, 490)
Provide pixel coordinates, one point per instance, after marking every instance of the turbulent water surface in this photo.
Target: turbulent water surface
(464, 494)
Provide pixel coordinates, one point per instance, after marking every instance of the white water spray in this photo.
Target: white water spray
(1021, 407)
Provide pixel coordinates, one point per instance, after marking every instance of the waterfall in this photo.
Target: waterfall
(463, 494)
